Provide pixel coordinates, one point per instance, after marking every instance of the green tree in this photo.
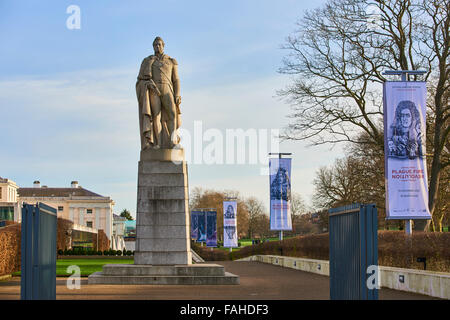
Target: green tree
(126, 214)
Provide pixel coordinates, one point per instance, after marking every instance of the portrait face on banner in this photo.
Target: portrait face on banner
(404, 149)
(406, 133)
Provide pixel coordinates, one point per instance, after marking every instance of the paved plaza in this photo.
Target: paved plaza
(258, 281)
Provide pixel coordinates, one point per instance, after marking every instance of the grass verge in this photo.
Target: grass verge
(87, 266)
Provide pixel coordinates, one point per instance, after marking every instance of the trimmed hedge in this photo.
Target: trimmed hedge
(10, 239)
(83, 252)
(395, 249)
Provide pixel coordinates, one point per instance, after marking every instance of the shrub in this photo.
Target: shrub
(10, 239)
(106, 252)
(129, 253)
(63, 228)
(60, 252)
(395, 249)
(102, 240)
(118, 253)
(99, 253)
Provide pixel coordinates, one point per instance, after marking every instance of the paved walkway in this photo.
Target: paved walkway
(257, 281)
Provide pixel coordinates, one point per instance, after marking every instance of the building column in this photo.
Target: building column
(97, 218)
(71, 217)
(17, 212)
(108, 221)
(81, 216)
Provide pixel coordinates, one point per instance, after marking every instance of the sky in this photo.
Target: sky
(68, 107)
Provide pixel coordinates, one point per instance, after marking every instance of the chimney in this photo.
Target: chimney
(74, 184)
(37, 184)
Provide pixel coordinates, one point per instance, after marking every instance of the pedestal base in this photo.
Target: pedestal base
(162, 226)
(198, 274)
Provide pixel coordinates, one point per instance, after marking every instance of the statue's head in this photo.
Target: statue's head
(158, 45)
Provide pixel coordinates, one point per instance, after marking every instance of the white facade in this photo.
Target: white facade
(8, 199)
(81, 206)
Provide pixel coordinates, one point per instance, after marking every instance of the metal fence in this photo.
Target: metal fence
(38, 256)
(353, 248)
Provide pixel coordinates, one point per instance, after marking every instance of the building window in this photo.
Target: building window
(60, 208)
(0, 192)
(89, 224)
(89, 211)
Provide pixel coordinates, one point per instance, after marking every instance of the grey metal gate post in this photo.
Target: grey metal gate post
(38, 252)
(353, 248)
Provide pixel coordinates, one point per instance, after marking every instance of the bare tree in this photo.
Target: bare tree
(339, 185)
(300, 223)
(255, 209)
(337, 57)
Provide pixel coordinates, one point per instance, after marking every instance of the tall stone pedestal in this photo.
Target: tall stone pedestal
(162, 226)
(163, 253)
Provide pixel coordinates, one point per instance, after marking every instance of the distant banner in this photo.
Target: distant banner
(211, 228)
(198, 226)
(230, 239)
(194, 224)
(404, 150)
(280, 193)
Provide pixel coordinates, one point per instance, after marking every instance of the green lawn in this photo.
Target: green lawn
(87, 266)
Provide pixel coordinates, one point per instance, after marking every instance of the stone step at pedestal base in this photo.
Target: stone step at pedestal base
(198, 274)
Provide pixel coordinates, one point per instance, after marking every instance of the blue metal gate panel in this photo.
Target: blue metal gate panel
(38, 275)
(353, 248)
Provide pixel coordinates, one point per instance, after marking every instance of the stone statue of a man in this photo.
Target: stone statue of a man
(158, 94)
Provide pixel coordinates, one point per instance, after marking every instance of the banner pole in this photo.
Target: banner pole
(408, 227)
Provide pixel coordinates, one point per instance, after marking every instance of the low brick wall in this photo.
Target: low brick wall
(434, 284)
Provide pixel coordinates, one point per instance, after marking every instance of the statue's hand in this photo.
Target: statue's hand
(177, 100)
(151, 85)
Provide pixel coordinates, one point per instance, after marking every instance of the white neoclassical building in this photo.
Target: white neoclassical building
(9, 207)
(79, 205)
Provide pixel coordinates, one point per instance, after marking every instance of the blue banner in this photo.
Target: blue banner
(280, 193)
(194, 225)
(198, 226)
(211, 228)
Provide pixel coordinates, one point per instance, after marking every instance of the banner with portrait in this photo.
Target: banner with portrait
(211, 228)
(280, 193)
(404, 150)
(230, 239)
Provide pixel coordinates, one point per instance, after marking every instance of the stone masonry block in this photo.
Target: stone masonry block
(147, 167)
(162, 180)
(162, 218)
(163, 192)
(172, 205)
(162, 231)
